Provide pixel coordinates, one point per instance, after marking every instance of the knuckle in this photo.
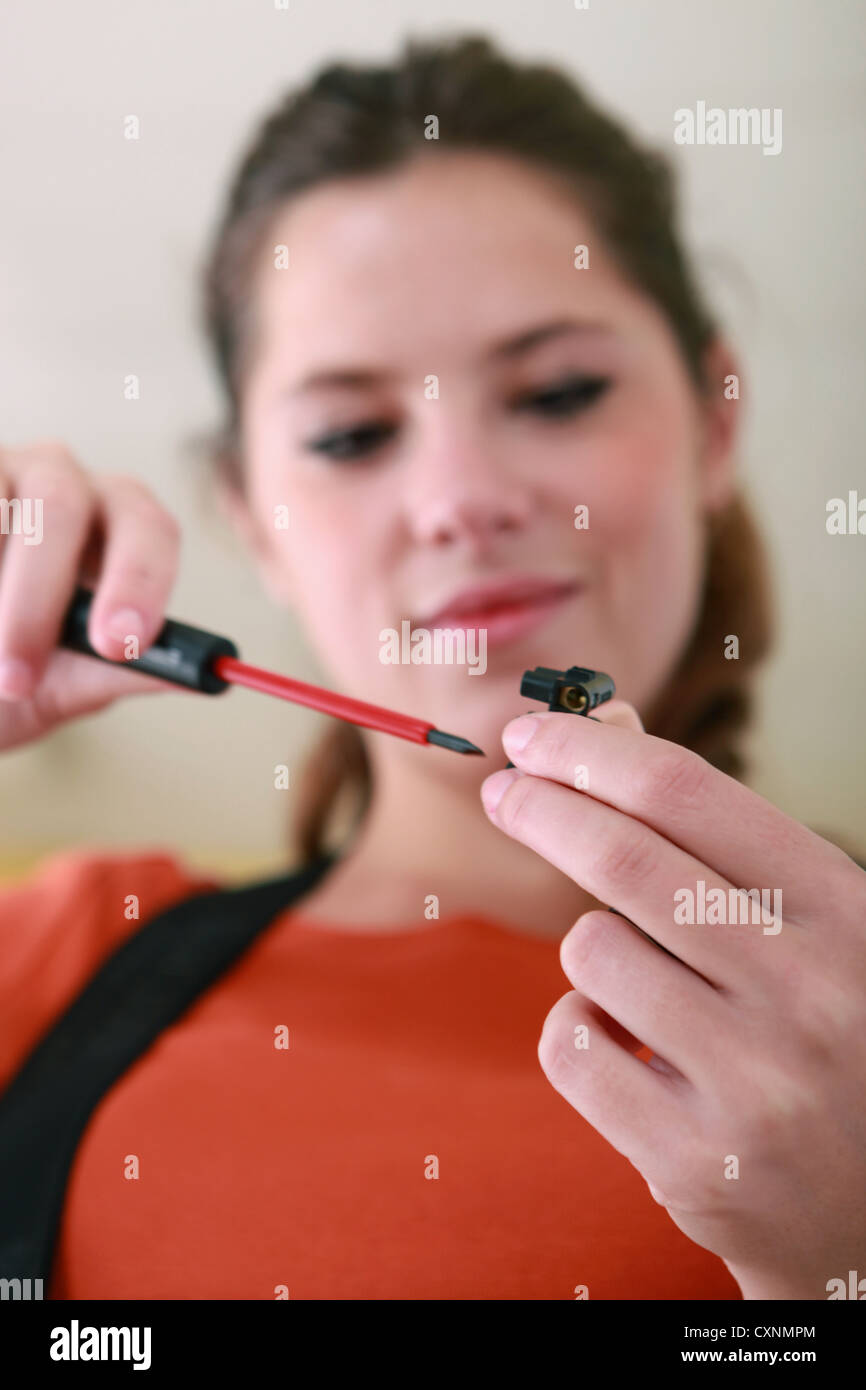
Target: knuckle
(628, 858)
(831, 1020)
(62, 491)
(697, 1183)
(48, 706)
(150, 514)
(775, 1101)
(111, 480)
(557, 739)
(679, 1192)
(135, 498)
(677, 778)
(135, 574)
(56, 451)
(122, 487)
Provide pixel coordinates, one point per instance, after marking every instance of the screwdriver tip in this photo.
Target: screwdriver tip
(452, 741)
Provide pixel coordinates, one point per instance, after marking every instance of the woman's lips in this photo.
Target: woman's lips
(510, 619)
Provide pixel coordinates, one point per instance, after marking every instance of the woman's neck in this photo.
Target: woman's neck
(426, 834)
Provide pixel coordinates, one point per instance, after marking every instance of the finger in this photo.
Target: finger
(618, 712)
(725, 825)
(138, 571)
(636, 1107)
(612, 712)
(656, 998)
(623, 862)
(39, 569)
(74, 685)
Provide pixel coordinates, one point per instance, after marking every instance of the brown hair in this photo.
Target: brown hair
(353, 120)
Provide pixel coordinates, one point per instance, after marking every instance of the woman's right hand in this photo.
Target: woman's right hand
(111, 534)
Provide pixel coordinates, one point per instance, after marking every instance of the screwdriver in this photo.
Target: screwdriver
(204, 661)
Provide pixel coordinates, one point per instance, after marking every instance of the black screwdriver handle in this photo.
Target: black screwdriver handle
(180, 654)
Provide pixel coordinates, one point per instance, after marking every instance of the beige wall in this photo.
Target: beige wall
(99, 243)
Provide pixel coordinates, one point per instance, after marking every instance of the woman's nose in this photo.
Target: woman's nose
(463, 492)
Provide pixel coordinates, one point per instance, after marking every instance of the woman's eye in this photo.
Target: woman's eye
(561, 399)
(352, 443)
(565, 397)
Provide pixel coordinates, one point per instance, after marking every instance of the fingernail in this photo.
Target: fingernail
(493, 788)
(126, 622)
(16, 678)
(517, 734)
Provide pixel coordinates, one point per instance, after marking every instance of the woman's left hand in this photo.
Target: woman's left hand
(749, 1122)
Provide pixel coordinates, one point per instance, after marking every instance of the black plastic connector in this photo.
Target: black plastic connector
(575, 691)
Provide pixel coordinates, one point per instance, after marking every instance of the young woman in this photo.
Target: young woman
(462, 346)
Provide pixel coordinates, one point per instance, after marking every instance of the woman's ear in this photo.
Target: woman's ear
(720, 416)
(269, 562)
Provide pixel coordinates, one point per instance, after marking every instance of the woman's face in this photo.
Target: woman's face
(435, 394)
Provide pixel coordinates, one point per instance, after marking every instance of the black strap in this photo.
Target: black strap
(142, 988)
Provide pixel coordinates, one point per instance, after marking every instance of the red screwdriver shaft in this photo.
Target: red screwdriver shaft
(229, 668)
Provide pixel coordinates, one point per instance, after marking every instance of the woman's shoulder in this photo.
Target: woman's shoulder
(63, 919)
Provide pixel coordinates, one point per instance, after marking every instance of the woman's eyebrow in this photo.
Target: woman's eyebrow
(531, 337)
(359, 377)
(326, 377)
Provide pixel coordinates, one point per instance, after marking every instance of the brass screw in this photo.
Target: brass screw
(572, 699)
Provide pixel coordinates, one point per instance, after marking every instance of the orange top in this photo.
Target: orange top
(405, 1145)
